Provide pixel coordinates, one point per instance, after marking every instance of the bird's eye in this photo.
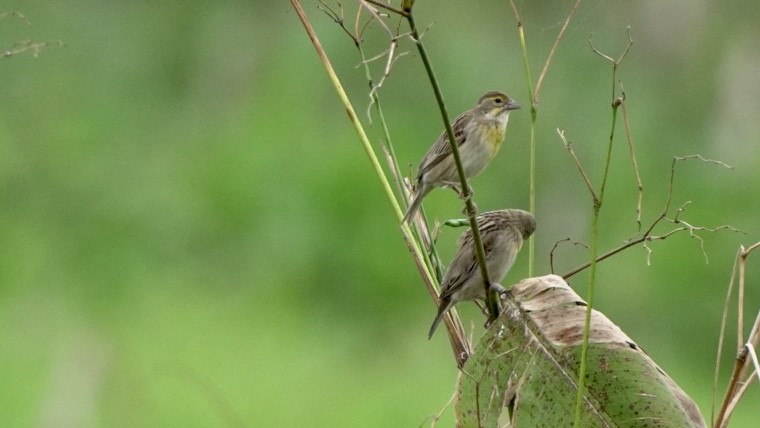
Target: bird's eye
(498, 100)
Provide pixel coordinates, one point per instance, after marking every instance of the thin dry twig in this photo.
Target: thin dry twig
(18, 15)
(632, 153)
(357, 37)
(647, 236)
(375, 14)
(739, 381)
(338, 18)
(742, 269)
(609, 58)
(436, 417)
(556, 246)
(28, 45)
(388, 7)
(587, 180)
(553, 50)
(392, 58)
(721, 336)
(616, 101)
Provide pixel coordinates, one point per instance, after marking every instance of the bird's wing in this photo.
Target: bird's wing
(442, 149)
(465, 262)
(465, 265)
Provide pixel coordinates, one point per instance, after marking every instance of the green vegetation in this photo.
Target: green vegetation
(192, 235)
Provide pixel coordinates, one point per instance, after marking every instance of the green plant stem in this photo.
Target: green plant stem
(491, 299)
(533, 95)
(592, 269)
(532, 169)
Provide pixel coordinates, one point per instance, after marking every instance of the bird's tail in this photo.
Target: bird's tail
(415, 206)
(444, 307)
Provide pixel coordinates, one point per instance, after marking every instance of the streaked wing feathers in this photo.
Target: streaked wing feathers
(441, 149)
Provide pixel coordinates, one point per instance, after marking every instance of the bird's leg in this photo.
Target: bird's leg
(455, 187)
(461, 193)
(466, 198)
(495, 286)
(503, 293)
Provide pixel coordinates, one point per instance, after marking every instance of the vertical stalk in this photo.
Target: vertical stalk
(532, 169)
(592, 268)
(491, 300)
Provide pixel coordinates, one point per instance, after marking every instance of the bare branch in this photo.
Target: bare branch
(615, 62)
(391, 60)
(28, 45)
(632, 153)
(649, 252)
(18, 15)
(628, 46)
(516, 13)
(553, 50)
(647, 235)
(356, 36)
(388, 7)
(338, 18)
(685, 158)
(569, 148)
(705, 160)
(598, 52)
(436, 417)
(375, 14)
(556, 245)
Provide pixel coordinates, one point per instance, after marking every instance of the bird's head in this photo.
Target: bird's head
(494, 104)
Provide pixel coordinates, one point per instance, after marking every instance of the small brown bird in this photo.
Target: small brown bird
(503, 234)
(478, 132)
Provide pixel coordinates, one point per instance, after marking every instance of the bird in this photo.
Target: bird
(503, 233)
(479, 133)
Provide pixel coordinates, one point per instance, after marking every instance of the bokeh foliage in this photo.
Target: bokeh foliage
(191, 234)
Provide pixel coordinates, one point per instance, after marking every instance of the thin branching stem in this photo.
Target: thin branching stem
(592, 275)
(556, 246)
(533, 94)
(532, 138)
(632, 153)
(597, 205)
(27, 45)
(647, 235)
(388, 7)
(553, 51)
(586, 179)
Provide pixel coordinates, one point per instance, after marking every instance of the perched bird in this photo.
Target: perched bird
(478, 132)
(503, 233)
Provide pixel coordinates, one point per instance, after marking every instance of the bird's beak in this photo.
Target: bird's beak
(512, 105)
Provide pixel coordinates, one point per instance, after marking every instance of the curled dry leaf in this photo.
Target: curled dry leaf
(524, 371)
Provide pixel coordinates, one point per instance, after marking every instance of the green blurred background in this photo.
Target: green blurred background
(192, 235)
